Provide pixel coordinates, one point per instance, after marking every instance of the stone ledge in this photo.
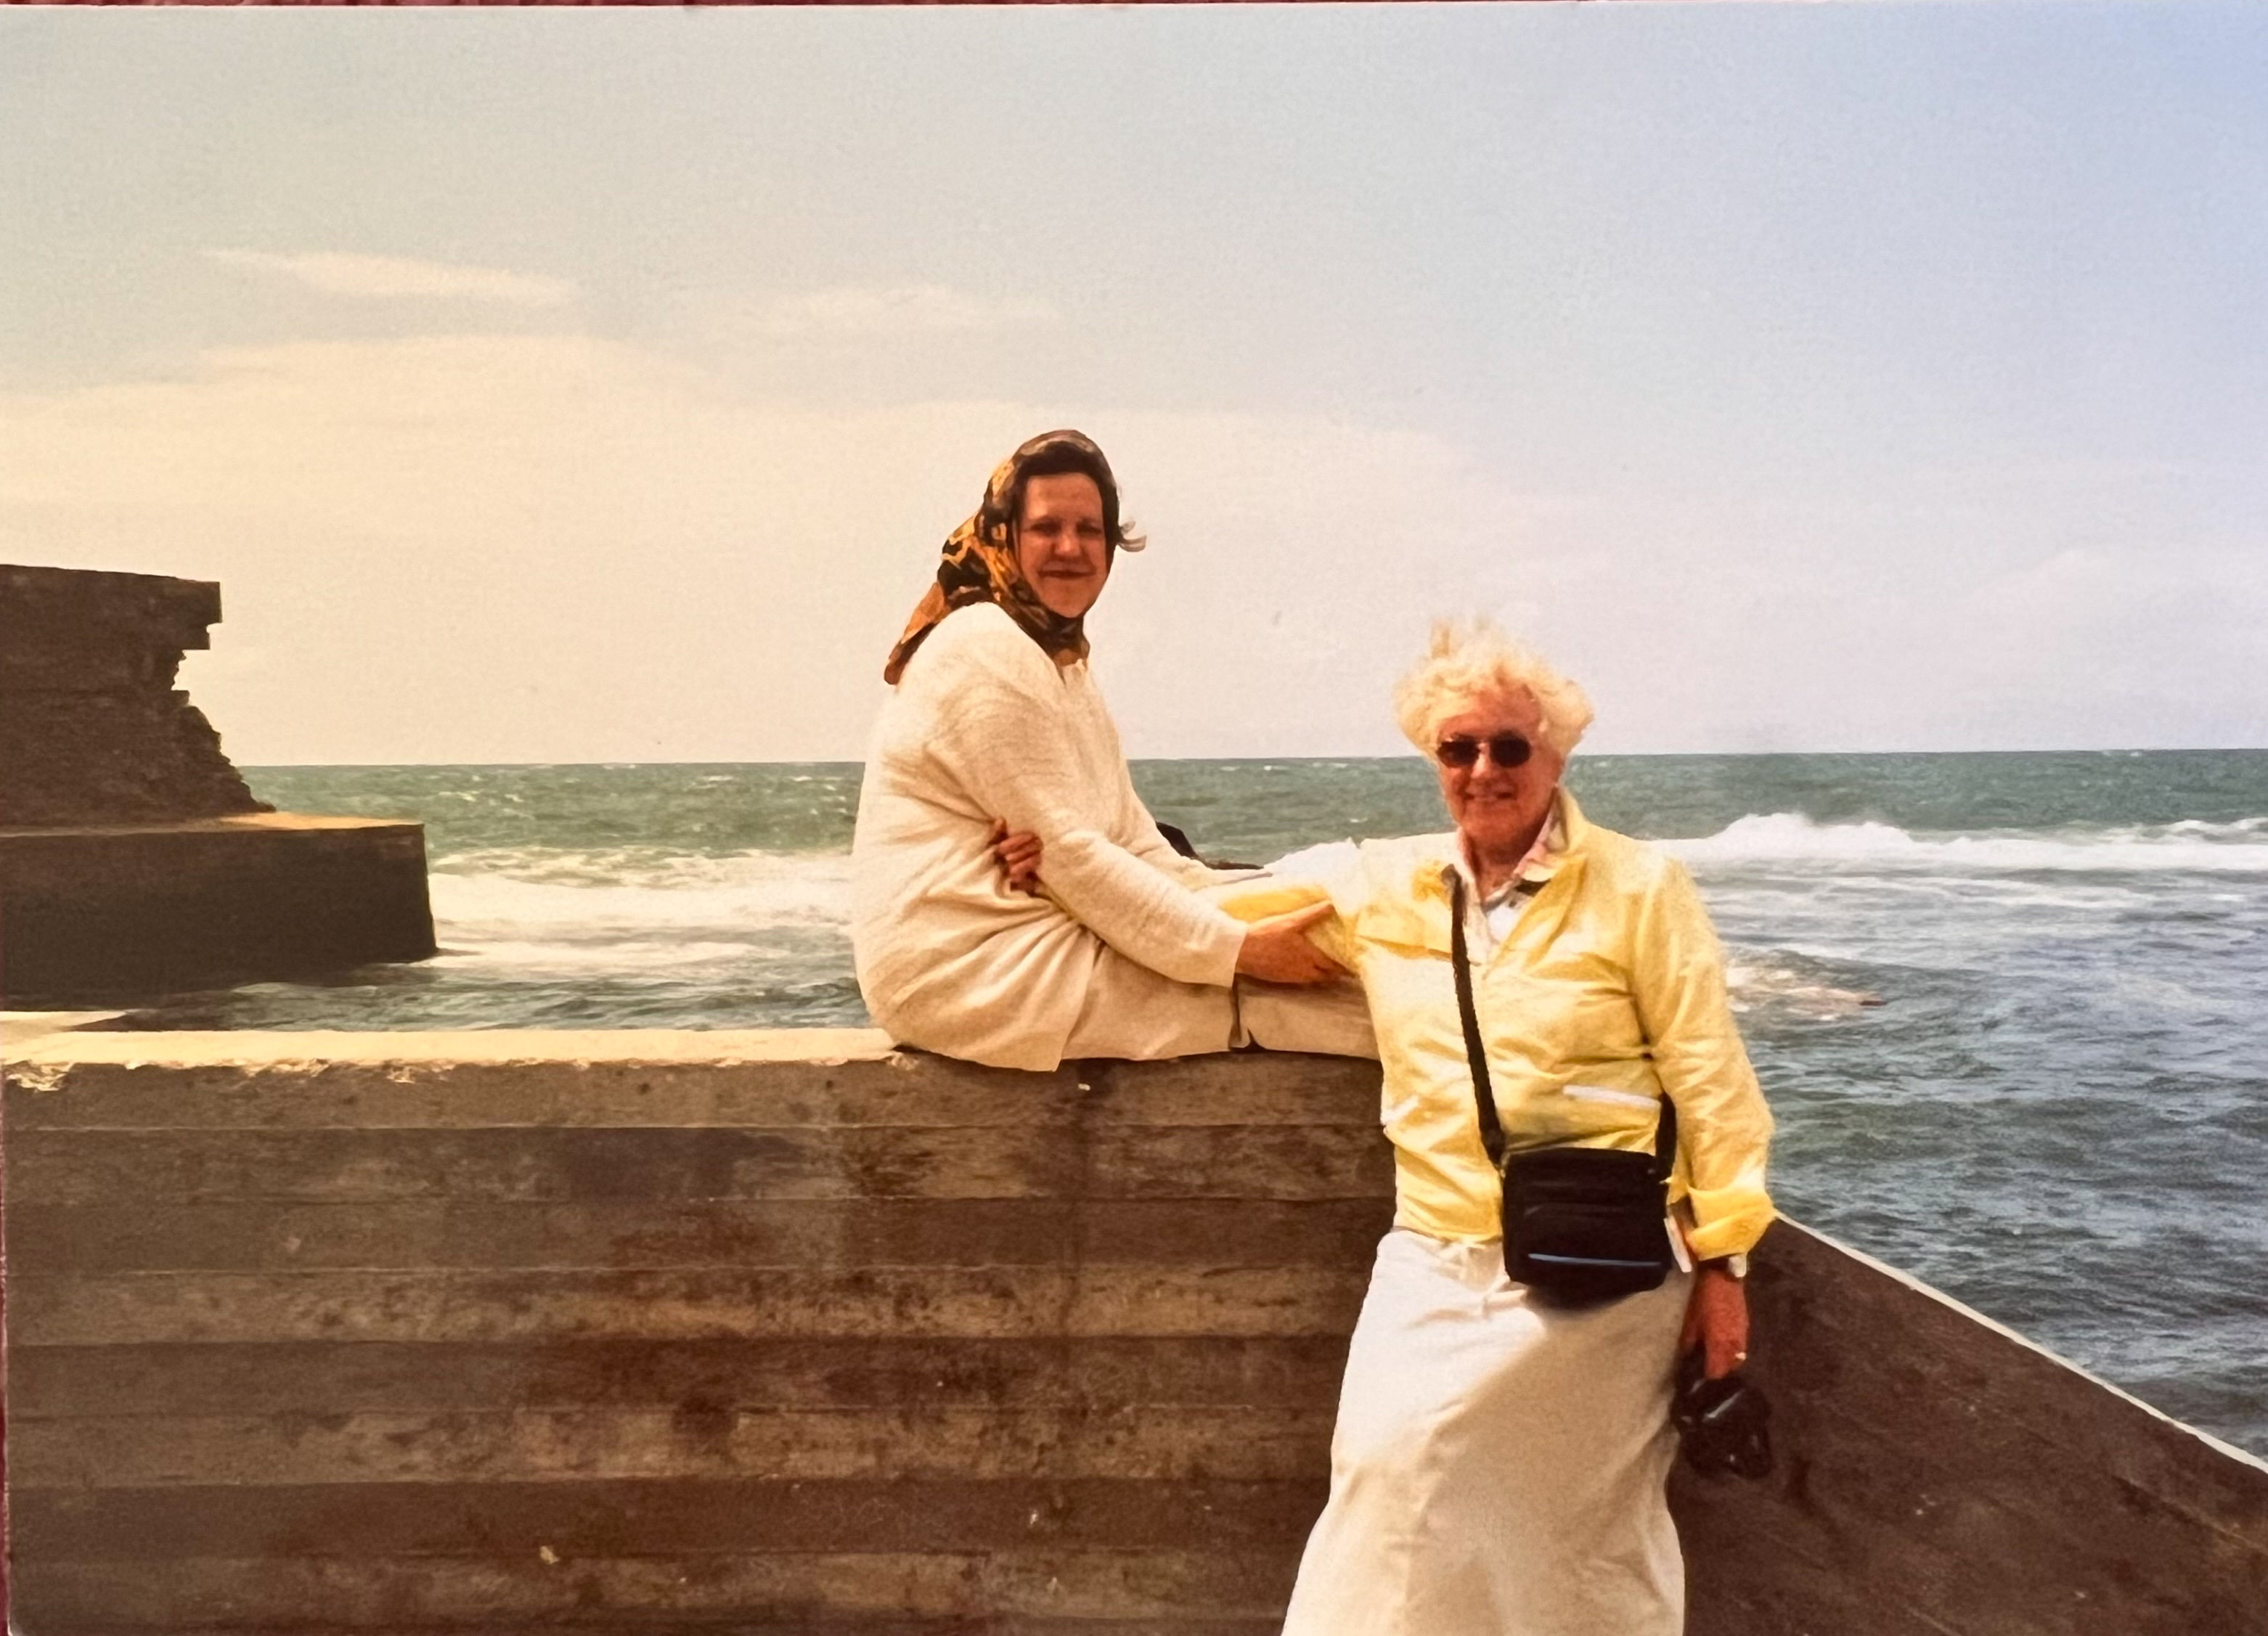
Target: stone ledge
(233, 823)
(721, 1047)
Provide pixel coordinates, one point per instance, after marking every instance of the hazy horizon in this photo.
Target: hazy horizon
(578, 387)
(1583, 755)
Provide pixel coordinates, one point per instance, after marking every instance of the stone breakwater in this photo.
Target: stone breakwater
(518, 1331)
(134, 859)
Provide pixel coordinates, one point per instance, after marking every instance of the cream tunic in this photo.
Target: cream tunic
(1122, 958)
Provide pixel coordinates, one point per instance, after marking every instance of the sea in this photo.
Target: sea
(2010, 1010)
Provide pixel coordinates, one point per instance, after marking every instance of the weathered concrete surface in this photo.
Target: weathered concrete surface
(92, 729)
(646, 1331)
(136, 909)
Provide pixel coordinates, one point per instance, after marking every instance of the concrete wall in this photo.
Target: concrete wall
(786, 1331)
(124, 911)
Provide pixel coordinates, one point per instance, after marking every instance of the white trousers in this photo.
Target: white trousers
(1331, 1019)
(1498, 1466)
(1133, 1013)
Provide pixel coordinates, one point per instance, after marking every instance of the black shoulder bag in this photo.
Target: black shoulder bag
(1582, 1226)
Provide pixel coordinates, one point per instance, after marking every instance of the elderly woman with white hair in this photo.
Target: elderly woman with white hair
(1503, 1445)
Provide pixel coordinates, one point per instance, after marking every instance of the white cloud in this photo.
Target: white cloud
(552, 548)
(557, 548)
(385, 277)
(891, 310)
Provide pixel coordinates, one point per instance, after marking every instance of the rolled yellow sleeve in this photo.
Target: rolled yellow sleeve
(1262, 900)
(1724, 1127)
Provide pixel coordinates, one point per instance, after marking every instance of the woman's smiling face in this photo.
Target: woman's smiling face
(1496, 807)
(1061, 544)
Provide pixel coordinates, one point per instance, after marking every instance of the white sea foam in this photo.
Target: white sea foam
(649, 908)
(1763, 986)
(494, 897)
(612, 955)
(1791, 839)
(1323, 861)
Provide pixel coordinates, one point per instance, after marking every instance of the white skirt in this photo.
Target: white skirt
(1498, 1466)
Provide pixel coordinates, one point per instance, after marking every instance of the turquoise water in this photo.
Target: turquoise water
(2008, 1008)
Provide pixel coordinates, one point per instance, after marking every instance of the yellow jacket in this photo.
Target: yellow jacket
(1608, 991)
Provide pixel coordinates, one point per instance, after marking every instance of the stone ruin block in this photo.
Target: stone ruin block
(92, 729)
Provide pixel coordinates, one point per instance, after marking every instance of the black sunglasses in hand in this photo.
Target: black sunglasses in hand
(1724, 1425)
(1507, 750)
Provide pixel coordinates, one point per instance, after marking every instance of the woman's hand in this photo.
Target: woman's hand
(1717, 1321)
(1277, 950)
(1018, 856)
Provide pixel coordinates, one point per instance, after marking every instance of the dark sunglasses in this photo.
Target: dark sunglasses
(1507, 750)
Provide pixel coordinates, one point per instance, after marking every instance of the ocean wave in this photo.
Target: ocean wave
(1325, 861)
(624, 957)
(607, 893)
(2240, 848)
(567, 896)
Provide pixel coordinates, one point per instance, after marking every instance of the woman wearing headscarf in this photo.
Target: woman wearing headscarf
(1083, 932)
(1500, 1456)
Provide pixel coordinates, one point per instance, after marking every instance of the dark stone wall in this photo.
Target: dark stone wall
(92, 729)
(96, 916)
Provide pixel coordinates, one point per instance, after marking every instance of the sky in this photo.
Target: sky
(597, 387)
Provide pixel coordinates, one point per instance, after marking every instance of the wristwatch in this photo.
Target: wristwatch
(1733, 1265)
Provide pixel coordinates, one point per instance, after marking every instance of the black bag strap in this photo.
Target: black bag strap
(1665, 1132)
(1475, 1052)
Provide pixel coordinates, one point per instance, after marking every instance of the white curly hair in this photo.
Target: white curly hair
(1468, 660)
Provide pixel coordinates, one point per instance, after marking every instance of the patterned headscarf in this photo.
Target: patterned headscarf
(979, 559)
